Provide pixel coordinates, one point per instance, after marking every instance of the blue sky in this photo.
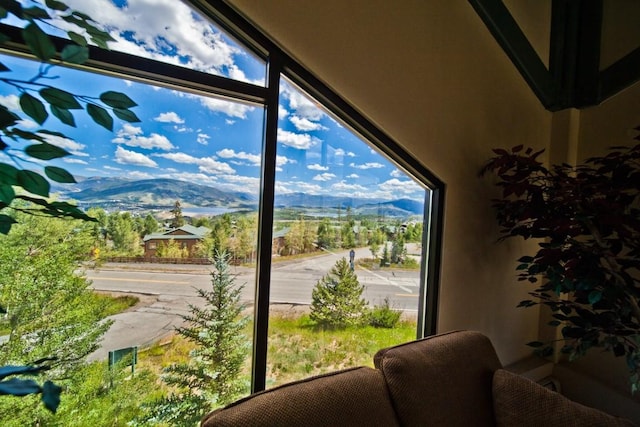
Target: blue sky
(205, 140)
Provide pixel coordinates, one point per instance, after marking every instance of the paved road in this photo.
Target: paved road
(167, 290)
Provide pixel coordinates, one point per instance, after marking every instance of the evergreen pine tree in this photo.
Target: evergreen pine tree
(210, 378)
(178, 219)
(336, 300)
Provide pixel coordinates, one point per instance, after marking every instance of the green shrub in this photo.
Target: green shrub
(383, 316)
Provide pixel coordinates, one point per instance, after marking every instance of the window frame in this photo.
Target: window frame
(278, 63)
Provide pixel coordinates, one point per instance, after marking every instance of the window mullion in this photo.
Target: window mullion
(265, 227)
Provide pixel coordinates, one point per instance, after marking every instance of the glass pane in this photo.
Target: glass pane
(167, 31)
(347, 246)
(165, 190)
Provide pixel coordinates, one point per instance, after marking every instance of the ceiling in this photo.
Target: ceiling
(573, 77)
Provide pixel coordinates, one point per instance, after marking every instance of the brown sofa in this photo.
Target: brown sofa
(453, 379)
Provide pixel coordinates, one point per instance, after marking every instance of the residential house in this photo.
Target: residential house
(186, 236)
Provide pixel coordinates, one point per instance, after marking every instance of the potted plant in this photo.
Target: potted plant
(587, 265)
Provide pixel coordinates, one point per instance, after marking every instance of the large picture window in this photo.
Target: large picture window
(330, 231)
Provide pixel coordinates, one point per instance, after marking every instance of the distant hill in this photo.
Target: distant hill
(400, 207)
(152, 192)
(162, 193)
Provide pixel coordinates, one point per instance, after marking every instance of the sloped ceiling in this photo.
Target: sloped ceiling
(594, 49)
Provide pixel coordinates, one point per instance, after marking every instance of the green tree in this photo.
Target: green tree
(385, 260)
(171, 249)
(122, 233)
(221, 231)
(326, 234)
(398, 248)
(51, 311)
(177, 220)
(336, 299)
(150, 225)
(211, 377)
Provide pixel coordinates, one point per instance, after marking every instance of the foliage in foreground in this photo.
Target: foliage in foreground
(336, 299)
(589, 219)
(51, 311)
(31, 188)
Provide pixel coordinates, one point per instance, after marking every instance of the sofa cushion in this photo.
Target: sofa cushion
(443, 380)
(518, 401)
(351, 397)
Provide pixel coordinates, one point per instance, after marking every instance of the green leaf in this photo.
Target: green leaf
(77, 38)
(117, 100)
(12, 6)
(3, 67)
(7, 118)
(594, 297)
(35, 13)
(535, 344)
(59, 175)
(7, 194)
(100, 43)
(60, 98)
(56, 5)
(39, 43)
(126, 115)
(3, 144)
(25, 134)
(18, 387)
(63, 115)
(33, 183)
(75, 54)
(8, 174)
(100, 116)
(5, 223)
(33, 108)
(51, 395)
(46, 151)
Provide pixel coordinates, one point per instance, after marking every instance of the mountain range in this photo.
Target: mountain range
(163, 193)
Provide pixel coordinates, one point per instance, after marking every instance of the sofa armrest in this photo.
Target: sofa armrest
(443, 380)
(352, 397)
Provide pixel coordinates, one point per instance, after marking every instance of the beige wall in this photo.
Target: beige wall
(430, 75)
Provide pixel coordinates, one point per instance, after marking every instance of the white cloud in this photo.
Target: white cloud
(228, 153)
(205, 164)
(317, 167)
(74, 161)
(370, 165)
(203, 138)
(169, 117)
(229, 122)
(165, 30)
(282, 112)
(131, 136)
(305, 125)
(346, 188)
(230, 108)
(341, 152)
(353, 176)
(303, 106)
(397, 174)
(282, 161)
(396, 186)
(126, 157)
(324, 177)
(301, 141)
(12, 102)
